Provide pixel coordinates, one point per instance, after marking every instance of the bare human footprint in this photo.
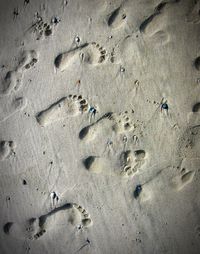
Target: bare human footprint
(193, 14)
(109, 122)
(9, 108)
(196, 107)
(63, 60)
(6, 149)
(69, 106)
(183, 179)
(90, 53)
(12, 80)
(94, 54)
(117, 18)
(197, 63)
(70, 215)
(153, 27)
(95, 164)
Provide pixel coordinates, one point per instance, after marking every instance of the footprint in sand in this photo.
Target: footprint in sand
(197, 63)
(186, 173)
(197, 230)
(117, 18)
(94, 164)
(183, 179)
(69, 106)
(43, 29)
(147, 193)
(90, 53)
(9, 108)
(12, 80)
(7, 148)
(123, 164)
(189, 142)
(153, 27)
(193, 15)
(196, 107)
(131, 162)
(71, 216)
(193, 118)
(108, 123)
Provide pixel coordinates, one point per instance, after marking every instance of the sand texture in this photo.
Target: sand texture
(100, 127)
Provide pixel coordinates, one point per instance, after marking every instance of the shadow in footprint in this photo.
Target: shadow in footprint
(84, 132)
(89, 161)
(6, 227)
(147, 22)
(116, 18)
(196, 107)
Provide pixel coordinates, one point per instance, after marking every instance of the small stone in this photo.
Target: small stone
(122, 69)
(24, 182)
(77, 39)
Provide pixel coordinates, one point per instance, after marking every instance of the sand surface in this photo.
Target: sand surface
(100, 127)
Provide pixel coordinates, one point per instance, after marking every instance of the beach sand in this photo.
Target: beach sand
(100, 127)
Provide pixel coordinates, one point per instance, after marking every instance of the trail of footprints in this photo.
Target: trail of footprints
(72, 214)
(129, 161)
(13, 79)
(12, 82)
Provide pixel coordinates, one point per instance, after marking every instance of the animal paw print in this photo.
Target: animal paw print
(125, 164)
(41, 28)
(123, 122)
(108, 123)
(114, 157)
(132, 162)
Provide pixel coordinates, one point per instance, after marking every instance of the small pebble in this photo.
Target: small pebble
(24, 182)
(77, 39)
(122, 69)
(137, 191)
